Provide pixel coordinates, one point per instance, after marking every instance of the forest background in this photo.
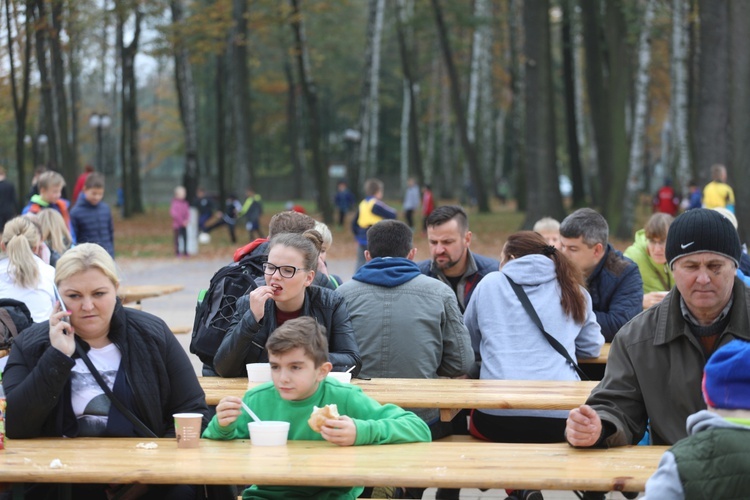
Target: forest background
(476, 98)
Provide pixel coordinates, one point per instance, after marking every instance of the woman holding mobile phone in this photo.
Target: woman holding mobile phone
(52, 390)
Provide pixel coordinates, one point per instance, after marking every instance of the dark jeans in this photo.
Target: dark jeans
(180, 241)
(517, 429)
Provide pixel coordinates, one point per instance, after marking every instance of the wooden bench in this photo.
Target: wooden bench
(449, 395)
(454, 463)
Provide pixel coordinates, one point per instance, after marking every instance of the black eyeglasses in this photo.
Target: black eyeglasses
(284, 271)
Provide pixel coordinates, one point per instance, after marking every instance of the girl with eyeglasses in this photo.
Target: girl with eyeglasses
(287, 294)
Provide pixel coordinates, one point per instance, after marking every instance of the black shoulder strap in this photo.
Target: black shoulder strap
(140, 426)
(526, 303)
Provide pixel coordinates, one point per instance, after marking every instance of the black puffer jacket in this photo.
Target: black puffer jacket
(160, 379)
(246, 338)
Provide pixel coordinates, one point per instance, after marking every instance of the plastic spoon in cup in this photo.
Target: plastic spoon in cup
(250, 412)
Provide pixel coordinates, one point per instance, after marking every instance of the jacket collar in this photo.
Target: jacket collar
(598, 269)
(670, 324)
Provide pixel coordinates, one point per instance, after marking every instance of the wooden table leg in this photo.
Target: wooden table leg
(447, 414)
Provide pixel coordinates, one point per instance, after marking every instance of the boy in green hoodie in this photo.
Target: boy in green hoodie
(298, 353)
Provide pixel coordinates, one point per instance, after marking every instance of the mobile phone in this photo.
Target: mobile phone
(62, 306)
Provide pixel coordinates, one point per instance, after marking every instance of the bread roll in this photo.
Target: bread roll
(320, 415)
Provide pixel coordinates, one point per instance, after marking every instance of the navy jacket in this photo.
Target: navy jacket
(616, 290)
(477, 268)
(93, 224)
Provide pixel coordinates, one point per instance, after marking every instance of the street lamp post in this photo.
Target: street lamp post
(99, 122)
(42, 143)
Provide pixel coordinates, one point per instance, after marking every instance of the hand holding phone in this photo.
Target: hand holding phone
(60, 328)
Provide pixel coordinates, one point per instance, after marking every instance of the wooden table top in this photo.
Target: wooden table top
(445, 393)
(136, 293)
(318, 463)
(601, 359)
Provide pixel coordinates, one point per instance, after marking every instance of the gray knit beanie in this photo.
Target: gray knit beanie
(702, 230)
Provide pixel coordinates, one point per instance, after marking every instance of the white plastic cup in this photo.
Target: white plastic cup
(258, 372)
(187, 428)
(268, 433)
(343, 377)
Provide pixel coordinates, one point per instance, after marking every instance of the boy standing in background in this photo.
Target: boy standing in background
(91, 218)
(180, 212)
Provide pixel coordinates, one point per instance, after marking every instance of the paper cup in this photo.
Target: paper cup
(343, 377)
(258, 372)
(187, 426)
(268, 433)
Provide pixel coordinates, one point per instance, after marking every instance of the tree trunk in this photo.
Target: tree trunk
(625, 229)
(404, 13)
(739, 86)
(65, 160)
(48, 125)
(186, 98)
(712, 104)
(569, 81)
(432, 113)
(608, 80)
(220, 88)
(129, 147)
(542, 190)
(20, 103)
(240, 96)
(293, 135)
(310, 93)
(516, 130)
(74, 53)
(370, 162)
(468, 148)
(679, 107)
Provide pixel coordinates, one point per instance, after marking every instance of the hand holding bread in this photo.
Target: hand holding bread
(334, 428)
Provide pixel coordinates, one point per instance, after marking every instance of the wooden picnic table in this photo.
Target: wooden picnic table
(601, 359)
(136, 293)
(319, 463)
(450, 395)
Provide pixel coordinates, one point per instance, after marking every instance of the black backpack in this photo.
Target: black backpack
(14, 318)
(215, 309)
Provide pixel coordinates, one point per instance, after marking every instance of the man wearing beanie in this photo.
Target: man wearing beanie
(713, 462)
(655, 366)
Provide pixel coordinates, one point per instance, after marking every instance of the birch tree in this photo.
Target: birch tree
(625, 229)
(455, 91)
(516, 132)
(679, 105)
(65, 160)
(411, 151)
(370, 161)
(569, 81)
(478, 49)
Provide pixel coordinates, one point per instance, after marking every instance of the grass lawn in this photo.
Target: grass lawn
(149, 235)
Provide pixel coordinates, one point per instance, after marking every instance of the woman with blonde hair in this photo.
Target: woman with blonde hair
(98, 369)
(23, 274)
(55, 234)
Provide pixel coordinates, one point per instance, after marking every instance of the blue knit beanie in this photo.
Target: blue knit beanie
(726, 378)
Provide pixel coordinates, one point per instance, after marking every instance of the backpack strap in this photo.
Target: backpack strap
(8, 323)
(526, 303)
(139, 425)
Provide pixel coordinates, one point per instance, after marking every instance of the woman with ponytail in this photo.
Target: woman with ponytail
(512, 347)
(23, 275)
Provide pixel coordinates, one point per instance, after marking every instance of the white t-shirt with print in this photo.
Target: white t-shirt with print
(90, 404)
